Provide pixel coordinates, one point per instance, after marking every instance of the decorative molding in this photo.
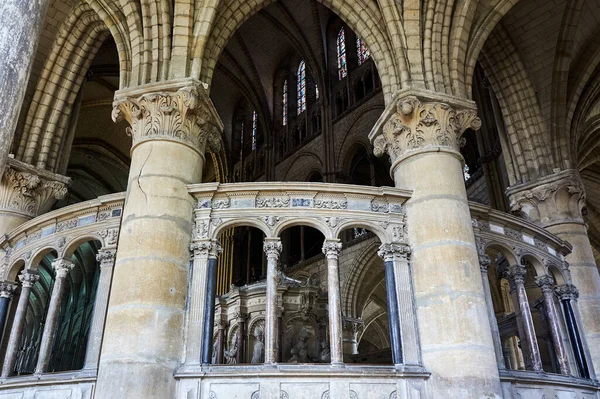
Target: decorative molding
(186, 115)
(484, 263)
(272, 248)
(546, 283)
(566, 292)
(514, 234)
(516, 274)
(106, 257)
(206, 248)
(332, 249)
(331, 204)
(62, 267)
(8, 289)
(273, 202)
(391, 252)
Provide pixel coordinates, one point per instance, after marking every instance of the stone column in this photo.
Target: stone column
(331, 249)
(21, 23)
(421, 132)
(403, 335)
(516, 278)
(272, 247)
(556, 202)
(106, 261)
(484, 263)
(351, 329)
(568, 294)
(7, 291)
(28, 278)
(209, 303)
(546, 284)
(61, 267)
(221, 342)
(171, 123)
(194, 328)
(241, 338)
(26, 192)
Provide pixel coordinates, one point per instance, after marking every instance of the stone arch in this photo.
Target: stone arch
(350, 141)
(536, 263)
(12, 273)
(351, 289)
(310, 222)
(316, 162)
(63, 74)
(216, 30)
(508, 253)
(37, 257)
(362, 224)
(241, 222)
(559, 276)
(71, 246)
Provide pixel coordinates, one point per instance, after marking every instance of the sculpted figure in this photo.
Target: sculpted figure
(231, 354)
(258, 354)
(325, 353)
(299, 351)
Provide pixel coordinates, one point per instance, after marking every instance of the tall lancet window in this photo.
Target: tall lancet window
(362, 51)
(301, 88)
(341, 54)
(284, 104)
(317, 94)
(254, 130)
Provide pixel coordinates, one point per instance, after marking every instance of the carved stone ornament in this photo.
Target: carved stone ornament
(272, 248)
(106, 257)
(206, 248)
(484, 263)
(28, 191)
(332, 249)
(516, 274)
(390, 252)
(546, 283)
(566, 292)
(28, 277)
(171, 112)
(553, 199)
(62, 267)
(8, 289)
(110, 236)
(420, 120)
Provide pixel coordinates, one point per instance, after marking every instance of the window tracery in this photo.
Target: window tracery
(301, 87)
(341, 54)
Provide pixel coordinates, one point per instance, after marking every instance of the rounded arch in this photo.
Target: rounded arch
(310, 222)
(242, 222)
(495, 247)
(71, 246)
(352, 286)
(350, 140)
(12, 274)
(316, 163)
(365, 21)
(37, 257)
(361, 224)
(535, 262)
(559, 276)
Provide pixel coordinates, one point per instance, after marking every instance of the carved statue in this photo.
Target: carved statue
(231, 353)
(258, 354)
(324, 353)
(299, 351)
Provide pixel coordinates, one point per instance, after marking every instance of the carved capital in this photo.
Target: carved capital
(546, 283)
(332, 249)
(62, 267)
(28, 277)
(420, 120)
(8, 289)
(352, 326)
(516, 274)
(206, 248)
(391, 252)
(272, 248)
(28, 191)
(178, 111)
(106, 257)
(553, 199)
(566, 292)
(484, 263)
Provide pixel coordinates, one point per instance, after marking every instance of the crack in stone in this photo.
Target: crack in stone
(142, 171)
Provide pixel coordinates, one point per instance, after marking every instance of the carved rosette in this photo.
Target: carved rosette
(557, 198)
(566, 292)
(272, 248)
(62, 267)
(332, 249)
(546, 283)
(106, 257)
(186, 115)
(28, 277)
(391, 252)
(206, 248)
(29, 192)
(8, 289)
(421, 120)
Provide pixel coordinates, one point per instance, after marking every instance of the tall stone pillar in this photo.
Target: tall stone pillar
(272, 247)
(61, 267)
(27, 278)
(556, 202)
(331, 249)
(421, 132)
(484, 264)
(170, 125)
(546, 284)
(7, 291)
(209, 303)
(106, 262)
(531, 351)
(26, 192)
(21, 23)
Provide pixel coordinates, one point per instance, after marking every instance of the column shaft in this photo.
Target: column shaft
(331, 249)
(106, 261)
(568, 294)
(62, 268)
(209, 311)
(21, 23)
(272, 248)
(7, 291)
(484, 262)
(546, 283)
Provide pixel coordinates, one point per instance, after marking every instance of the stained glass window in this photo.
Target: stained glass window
(341, 54)
(301, 88)
(285, 103)
(466, 172)
(362, 51)
(317, 91)
(254, 129)
(242, 141)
